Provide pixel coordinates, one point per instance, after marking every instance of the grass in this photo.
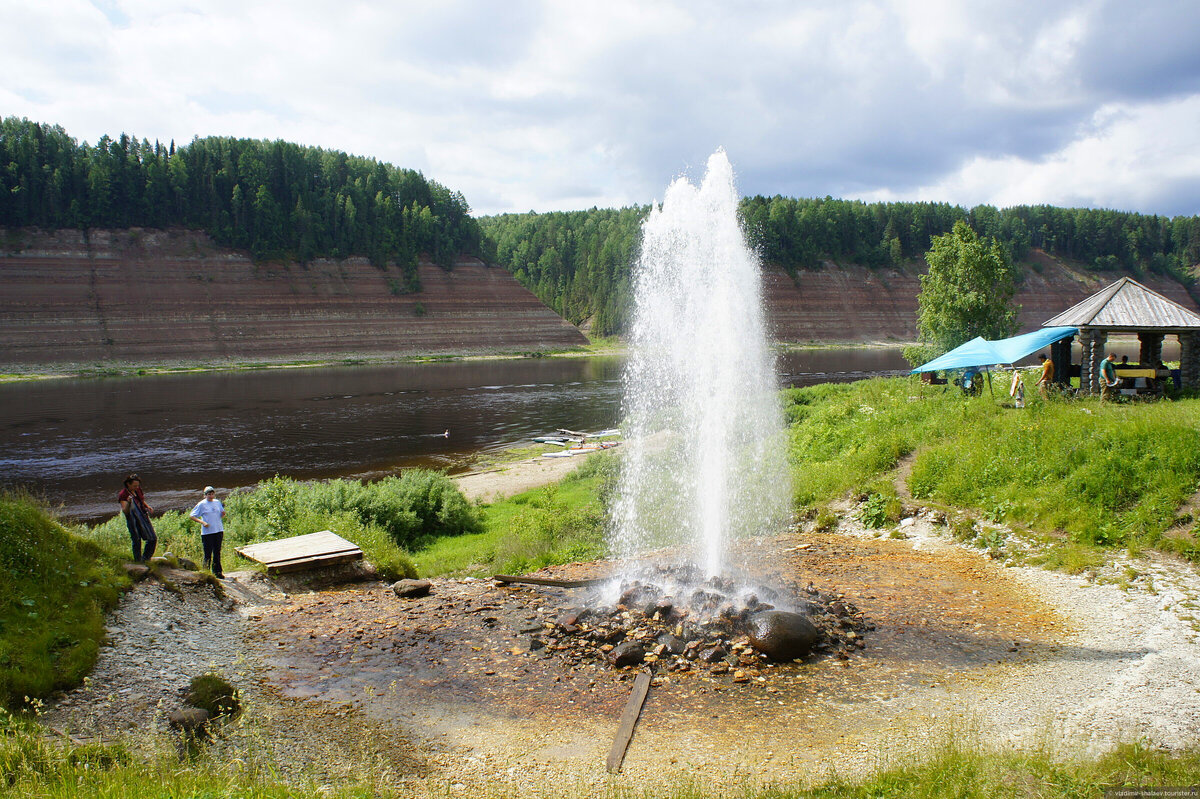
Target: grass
(385, 518)
(55, 588)
(561, 523)
(1090, 473)
(32, 765)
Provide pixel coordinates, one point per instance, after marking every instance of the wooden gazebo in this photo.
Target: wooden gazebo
(1127, 307)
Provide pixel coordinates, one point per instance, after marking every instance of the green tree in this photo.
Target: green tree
(967, 292)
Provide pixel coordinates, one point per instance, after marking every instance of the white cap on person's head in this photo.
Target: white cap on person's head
(209, 490)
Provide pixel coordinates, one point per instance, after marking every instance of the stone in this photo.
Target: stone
(190, 720)
(781, 635)
(629, 653)
(672, 644)
(412, 589)
(712, 654)
(189, 564)
(136, 571)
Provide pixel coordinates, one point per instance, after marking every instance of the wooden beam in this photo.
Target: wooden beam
(629, 719)
(509, 578)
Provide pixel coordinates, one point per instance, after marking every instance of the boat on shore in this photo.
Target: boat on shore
(577, 443)
(583, 449)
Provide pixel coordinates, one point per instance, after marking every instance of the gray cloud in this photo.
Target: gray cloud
(544, 105)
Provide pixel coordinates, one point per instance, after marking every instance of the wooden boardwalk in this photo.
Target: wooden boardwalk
(302, 552)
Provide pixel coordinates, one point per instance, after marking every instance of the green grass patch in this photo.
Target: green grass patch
(32, 765)
(54, 588)
(556, 524)
(1098, 474)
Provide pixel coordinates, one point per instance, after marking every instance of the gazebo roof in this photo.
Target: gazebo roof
(1127, 304)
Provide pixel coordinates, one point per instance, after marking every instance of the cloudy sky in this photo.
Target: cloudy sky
(567, 104)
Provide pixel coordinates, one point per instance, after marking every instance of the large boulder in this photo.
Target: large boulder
(781, 635)
(412, 589)
(629, 653)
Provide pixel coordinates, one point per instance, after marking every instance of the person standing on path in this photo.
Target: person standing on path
(137, 519)
(210, 512)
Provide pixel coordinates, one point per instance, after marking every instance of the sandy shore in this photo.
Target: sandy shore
(509, 479)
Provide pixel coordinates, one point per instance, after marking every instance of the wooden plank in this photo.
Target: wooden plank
(311, 555)
(509, 578)
(629, 719)
(311, 563)
(296, 547)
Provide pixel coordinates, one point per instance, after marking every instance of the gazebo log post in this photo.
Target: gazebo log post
(1093, 354)
(1149, 348)
(1189, 360)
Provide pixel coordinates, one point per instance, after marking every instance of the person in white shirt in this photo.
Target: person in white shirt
(210, 512)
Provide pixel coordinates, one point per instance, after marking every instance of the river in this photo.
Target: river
(71, 441)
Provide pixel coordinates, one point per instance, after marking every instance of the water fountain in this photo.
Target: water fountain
(705, 461)
(704, 465)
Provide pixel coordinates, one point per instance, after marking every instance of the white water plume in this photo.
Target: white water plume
(705, 458)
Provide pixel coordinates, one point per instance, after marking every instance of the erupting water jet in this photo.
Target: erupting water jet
(705, 460)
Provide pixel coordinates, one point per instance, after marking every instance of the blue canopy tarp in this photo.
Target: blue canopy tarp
(981, 352)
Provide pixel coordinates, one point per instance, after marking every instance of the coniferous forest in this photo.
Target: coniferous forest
(279, 200)
(274, 199)
(578, 262)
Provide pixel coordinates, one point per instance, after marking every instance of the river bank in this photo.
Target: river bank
(603, 348)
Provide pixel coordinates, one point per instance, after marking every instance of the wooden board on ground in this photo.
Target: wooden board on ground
(633, 709)
(302, 552)
(512, 578)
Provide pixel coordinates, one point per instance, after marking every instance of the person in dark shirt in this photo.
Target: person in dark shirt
(137, 518)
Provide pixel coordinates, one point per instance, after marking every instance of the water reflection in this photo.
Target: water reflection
(72, 441)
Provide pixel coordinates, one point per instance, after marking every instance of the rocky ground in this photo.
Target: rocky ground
(477, 684)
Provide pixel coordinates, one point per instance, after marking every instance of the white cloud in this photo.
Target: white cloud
(542, 104)
(1126, 158)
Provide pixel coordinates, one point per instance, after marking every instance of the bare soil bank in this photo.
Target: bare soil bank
(148, 296)
(74, 301)
(855, 303)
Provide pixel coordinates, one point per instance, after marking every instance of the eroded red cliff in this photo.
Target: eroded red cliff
(153, 296)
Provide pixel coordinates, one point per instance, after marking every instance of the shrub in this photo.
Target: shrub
(214, 693)
(880, 510)
(547, 531)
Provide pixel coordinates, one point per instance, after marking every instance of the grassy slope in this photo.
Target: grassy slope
(54, 589)
(1096, 473)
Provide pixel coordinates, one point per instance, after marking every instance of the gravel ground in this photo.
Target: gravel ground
(967, 646)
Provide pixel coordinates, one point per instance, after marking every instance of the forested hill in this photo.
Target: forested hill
(578, 262)
(276, 200)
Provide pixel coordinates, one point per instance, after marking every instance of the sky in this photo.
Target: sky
(542, 105)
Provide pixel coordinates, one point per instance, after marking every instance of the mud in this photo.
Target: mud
(458, 663)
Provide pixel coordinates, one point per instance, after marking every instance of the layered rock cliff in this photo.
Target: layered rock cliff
(850, 303)
(153, 296)
(146, 296)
